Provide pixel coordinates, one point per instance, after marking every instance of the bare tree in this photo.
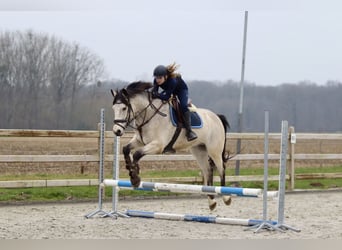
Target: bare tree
(71, 68)
(40, 76)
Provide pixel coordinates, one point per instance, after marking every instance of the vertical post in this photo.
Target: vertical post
(265, 166)
(292, 158)
(101, 156)
(282, 171)
(101, 142)
(116, 176)
(282, 178)
(264, 224)
(240, 125)
(115, 172)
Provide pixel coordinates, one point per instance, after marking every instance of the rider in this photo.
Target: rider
(173, 84)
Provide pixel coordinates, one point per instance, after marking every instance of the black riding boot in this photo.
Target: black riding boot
(190, 135)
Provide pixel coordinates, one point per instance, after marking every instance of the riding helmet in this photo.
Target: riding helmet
(160, 70)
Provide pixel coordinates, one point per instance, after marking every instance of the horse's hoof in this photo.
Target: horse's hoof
(212, 205)
(135, 181)
(227, 200)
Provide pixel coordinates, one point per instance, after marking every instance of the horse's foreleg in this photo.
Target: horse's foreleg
(151, 148)
(126, 151)
(135, 170)
(129, 165)
(132, 167)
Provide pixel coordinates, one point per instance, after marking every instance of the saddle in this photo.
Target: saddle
(177, 120)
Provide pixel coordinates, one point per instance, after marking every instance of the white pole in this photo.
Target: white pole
(116, 176)
(240, 125)
(282, 178)
(265, 166)
(100, 211)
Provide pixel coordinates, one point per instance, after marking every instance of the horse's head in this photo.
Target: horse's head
(124, 105)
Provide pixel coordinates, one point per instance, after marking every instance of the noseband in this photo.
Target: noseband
(128, 119)
(131, 115)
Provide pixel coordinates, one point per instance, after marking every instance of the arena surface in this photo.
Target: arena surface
(318, 215)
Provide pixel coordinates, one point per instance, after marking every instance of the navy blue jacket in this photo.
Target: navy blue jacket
(175, 86)
(171, 86)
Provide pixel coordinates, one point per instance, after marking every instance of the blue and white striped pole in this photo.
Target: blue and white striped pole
(195, 218)
(185, 188)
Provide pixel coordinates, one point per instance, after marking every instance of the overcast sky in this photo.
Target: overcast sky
(286, 43)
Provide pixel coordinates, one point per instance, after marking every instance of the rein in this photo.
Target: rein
(139, 127)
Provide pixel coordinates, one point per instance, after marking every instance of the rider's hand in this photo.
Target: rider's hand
(155, 94)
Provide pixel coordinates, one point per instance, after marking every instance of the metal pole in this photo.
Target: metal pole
(240, 125)
(100, 211)
(264, 224)
(116, 169)
(282, 171)
(101, 171)
(282, 178)
(265, 166)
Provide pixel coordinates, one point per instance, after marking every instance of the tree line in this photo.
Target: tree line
(47, 83)
(306, 106)
(40, 80)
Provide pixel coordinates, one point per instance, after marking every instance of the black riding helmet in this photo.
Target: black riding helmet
(160, 70)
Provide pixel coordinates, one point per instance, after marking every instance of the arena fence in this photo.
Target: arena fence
(291, 157)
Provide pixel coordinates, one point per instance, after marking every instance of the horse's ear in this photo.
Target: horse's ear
(124, 93)
(114, 93)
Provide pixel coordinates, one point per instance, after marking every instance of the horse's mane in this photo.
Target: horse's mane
(131, 90)
(137, 87)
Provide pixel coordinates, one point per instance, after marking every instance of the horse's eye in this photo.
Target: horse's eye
(124, 109)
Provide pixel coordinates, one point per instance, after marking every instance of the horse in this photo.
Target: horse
(135, 106)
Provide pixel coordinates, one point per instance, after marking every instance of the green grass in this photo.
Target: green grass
(54, 194)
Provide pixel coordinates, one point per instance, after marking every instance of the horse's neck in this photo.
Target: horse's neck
(145, 110)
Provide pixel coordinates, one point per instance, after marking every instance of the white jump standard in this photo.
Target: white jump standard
(185, 188)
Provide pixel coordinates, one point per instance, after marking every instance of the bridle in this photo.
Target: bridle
(131, 115)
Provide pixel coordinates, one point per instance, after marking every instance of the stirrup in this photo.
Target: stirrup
(191, 136)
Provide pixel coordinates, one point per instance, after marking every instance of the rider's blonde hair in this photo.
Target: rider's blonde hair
(172, 70)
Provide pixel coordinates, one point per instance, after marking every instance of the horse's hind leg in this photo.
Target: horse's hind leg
(218, 162)
(201, 156)
(210, 182)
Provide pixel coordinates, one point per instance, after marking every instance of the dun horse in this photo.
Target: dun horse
(134, 106)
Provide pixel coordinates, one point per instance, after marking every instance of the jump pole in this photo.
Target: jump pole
(186, 188)
(196, 218)
(99, 210)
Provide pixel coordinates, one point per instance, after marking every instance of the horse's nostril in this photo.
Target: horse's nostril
(118, 132)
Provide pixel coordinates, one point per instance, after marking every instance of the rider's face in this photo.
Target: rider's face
(160, 79)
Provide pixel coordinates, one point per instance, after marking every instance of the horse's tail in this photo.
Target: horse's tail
(226, 126)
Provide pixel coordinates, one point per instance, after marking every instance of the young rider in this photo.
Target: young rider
(172, 83)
